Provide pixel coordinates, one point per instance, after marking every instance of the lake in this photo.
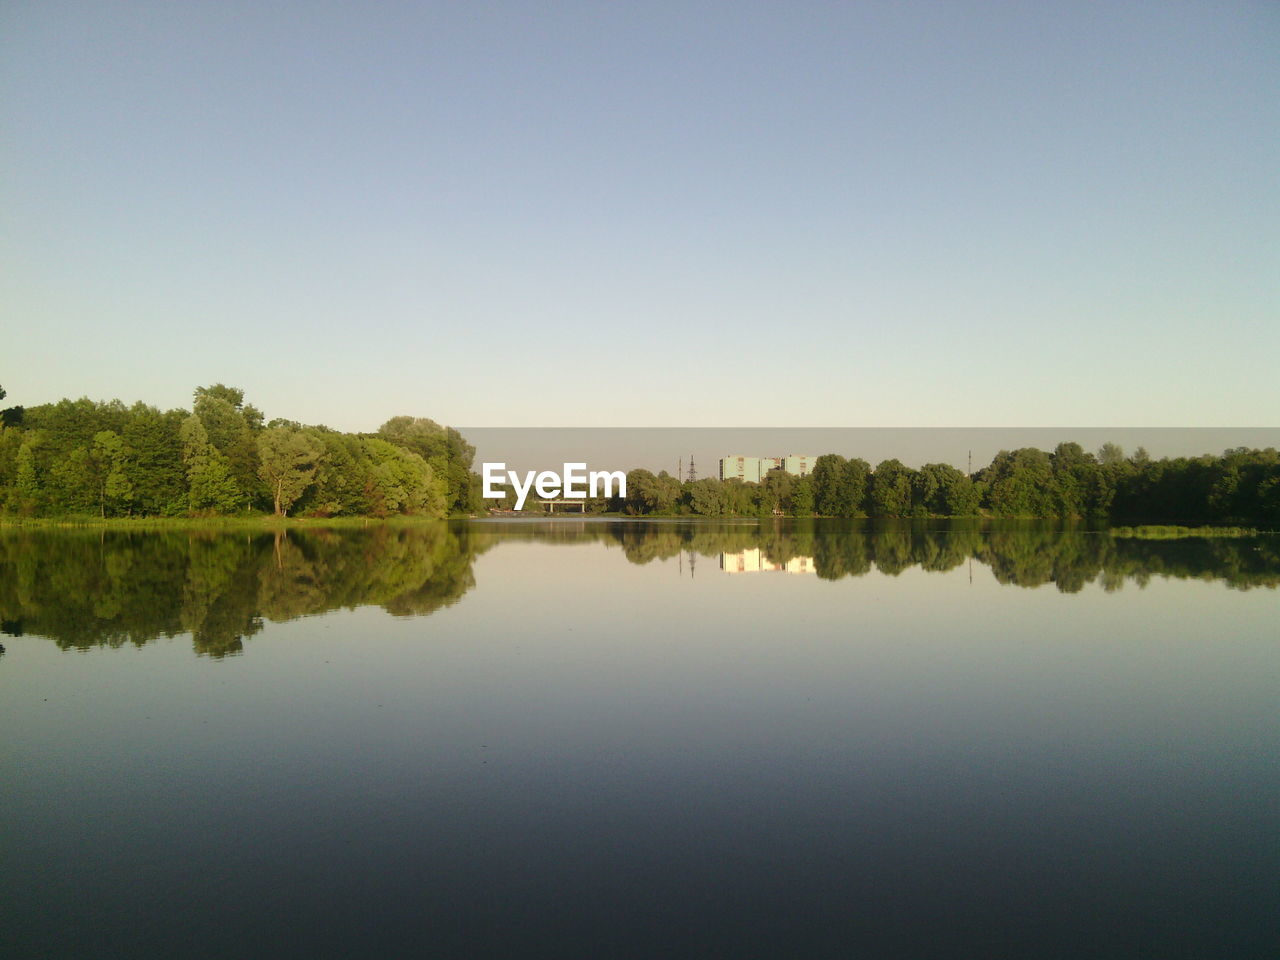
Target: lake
(652, 739)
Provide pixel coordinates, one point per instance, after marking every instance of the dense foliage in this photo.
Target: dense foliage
(82, 457)
(1240, 486)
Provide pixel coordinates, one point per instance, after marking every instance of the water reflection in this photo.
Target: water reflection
(1018, 554)
(108, 588)
(88, 589)
(754, 561)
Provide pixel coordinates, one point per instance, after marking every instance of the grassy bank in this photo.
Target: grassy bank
(263, 521)
(1179, 533)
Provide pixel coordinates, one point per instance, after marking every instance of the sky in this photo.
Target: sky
(660, 214)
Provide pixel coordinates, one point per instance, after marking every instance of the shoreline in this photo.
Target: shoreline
(268, 522)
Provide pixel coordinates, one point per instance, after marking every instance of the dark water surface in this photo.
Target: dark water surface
(616, 739)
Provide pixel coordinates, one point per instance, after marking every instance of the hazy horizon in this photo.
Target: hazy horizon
(667, 448)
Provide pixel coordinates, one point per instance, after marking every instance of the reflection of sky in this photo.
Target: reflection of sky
(580, 721)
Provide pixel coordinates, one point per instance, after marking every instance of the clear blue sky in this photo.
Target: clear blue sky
(772, 214)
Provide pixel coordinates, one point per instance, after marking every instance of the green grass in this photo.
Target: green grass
(258, 521)
(1179, 533)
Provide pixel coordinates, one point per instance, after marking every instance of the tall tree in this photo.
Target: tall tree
(828, 485)
(1075, 479)
(26, 482)
(232, 427)
(890, 494)
(801, 500)
(112, 472)
(444, 448)
(706, 497)
(210, 484)
(155, 448)
(1020, 484)
(853, 488)
(287, 464)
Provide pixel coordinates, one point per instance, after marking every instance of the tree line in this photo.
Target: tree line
(84, 457)
(1241, 486)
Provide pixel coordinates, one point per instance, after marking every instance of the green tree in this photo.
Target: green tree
(942, 490)
(801, 501)
(232, 428)
(339, 484)
(112, 472)
(926, 490)
(1110, 454)
(829, 494)
(1075, 479)
(10, 416)
(643, 495)
(444, 448)
(288, 460)
(26, 481)
(401, 481)
(210, 484)
(155, 449)
(1020, 484)
(706, 497)
(890, 493)
(853, 493)
(74, 482)
(10, 441)
(775, 492)
(739, 497)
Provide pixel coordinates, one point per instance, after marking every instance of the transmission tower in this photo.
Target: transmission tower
(693, 471)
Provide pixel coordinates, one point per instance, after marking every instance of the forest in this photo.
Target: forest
(84, 458)
(1240, 486)
(81, 458)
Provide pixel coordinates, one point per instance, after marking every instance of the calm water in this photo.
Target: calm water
(615, 739)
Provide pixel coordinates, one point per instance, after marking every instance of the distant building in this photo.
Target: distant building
(755, 469)
(798, 464)
(746, 469)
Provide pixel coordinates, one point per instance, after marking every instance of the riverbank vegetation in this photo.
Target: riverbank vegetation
(1241, 487)
(85, 458)
(1238, 489)
(78, 460)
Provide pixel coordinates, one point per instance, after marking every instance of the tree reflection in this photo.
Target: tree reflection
(95, 589)
(89, 589)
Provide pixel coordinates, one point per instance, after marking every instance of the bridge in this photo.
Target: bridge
(551, 505)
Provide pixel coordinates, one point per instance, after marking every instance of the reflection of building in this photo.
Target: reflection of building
(755, 469)
(754, 561)
(800, 565)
